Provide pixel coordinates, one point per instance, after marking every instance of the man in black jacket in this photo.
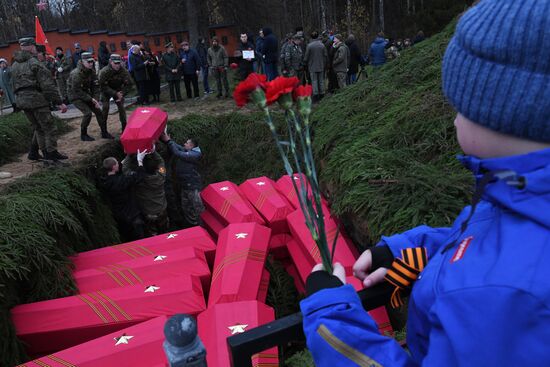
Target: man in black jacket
(119, 190)
(246, 63)
(269, 50)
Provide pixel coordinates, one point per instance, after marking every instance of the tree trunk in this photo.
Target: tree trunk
(192, 15)
(348, 14)
(408, 7)
(382, 15)
(323, 15)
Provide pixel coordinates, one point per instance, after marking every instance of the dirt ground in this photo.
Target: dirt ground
(71, 145)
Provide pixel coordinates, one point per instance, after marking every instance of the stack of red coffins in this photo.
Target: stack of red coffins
(238, 292)
(144, 127)
(121, 286)
(139, 345)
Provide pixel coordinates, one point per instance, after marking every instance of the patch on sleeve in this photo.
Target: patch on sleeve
(461, 250)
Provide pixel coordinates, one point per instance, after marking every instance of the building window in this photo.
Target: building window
(225, 41)
(112, 46)
(157, 41)
(123, 45)
(179, 37)
(212, 34)
(167, 39)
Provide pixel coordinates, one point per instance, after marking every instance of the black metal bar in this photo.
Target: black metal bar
(279, 332)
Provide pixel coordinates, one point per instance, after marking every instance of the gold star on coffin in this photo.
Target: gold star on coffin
(237, 329)
(172, 235)
(241, 235)
(159, 258)
(151, 289)
(123, 339)
(225, 188)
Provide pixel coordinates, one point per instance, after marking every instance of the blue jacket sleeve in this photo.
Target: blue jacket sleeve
(422, 236)
(339, 332)
(180, 152)
(485, 326)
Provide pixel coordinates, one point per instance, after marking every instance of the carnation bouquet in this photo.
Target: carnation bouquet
(296, 149)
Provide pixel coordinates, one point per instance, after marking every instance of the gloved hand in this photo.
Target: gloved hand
(319, 279)
(140, 156)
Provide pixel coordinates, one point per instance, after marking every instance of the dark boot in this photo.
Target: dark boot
(84, 135)
(34, 154)
(54, 156)
(123, 125)
(106, 135)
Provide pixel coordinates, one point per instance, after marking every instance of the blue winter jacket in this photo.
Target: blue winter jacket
(269, 47)
(484, 302)
(187, 166)
(193, 63)
(377, 51)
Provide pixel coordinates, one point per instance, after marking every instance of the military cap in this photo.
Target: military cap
(115, 58)
(339, 36)
(87, 56)
(27, 41)
(169, 44)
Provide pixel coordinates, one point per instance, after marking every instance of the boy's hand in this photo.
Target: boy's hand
(362, 270)
(338, 271)
(319, 279)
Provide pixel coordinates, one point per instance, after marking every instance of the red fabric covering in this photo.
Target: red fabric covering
(277, 245)
(212, 223)
(144, 127)
(240, 259)
(344, 253)
(298, 283)
(145, 270)
(61, 323)
(286, 188)
(264, 286)
(223, 320)
(271, 205)
(196, 237)
(140, 345)
(300, 260)
(225, 200)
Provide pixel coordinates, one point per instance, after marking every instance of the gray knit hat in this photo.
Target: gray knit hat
(496, 70)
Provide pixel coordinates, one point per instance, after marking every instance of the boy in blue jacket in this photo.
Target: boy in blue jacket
(483, 299)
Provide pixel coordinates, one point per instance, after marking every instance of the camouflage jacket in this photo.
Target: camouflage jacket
(112, 81)
(66, 63)
(83, 84)
(32, 82)
(293, 57)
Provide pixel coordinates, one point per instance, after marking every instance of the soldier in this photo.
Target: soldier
(115, 82)
(293, 58)
(171, 64)
(35, 90)
(63, 67)
(83, 92)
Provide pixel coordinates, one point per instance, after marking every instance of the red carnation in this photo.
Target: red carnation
(279, 87)
(302, 91)
(245, 88)
(233, 66)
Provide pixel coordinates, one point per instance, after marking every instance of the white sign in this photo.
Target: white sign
(248, 54)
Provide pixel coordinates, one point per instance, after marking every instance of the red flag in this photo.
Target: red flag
(41, 37)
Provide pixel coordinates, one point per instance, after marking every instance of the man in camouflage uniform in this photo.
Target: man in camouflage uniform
(63, 67)
(115, 82)
(83, 89)
(293, 58)
(35, 91)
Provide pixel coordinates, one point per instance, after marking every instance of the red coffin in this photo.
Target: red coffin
(61, 323)
(220, 321)
(144, 128)
(264, 286)
(286, 188)
(225, 200)
(300, 260)
(344, 253)
(138, 345)
(195, 237)
(239, 264)
(272, 206)
(298, 283)
(145, 270)
(277, 245)
(212, 223)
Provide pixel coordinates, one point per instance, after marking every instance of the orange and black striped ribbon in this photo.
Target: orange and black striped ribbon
(404, 272)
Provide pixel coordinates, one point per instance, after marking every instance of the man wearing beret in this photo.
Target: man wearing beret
(115, 82)
(83, 92)
(35, 90)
